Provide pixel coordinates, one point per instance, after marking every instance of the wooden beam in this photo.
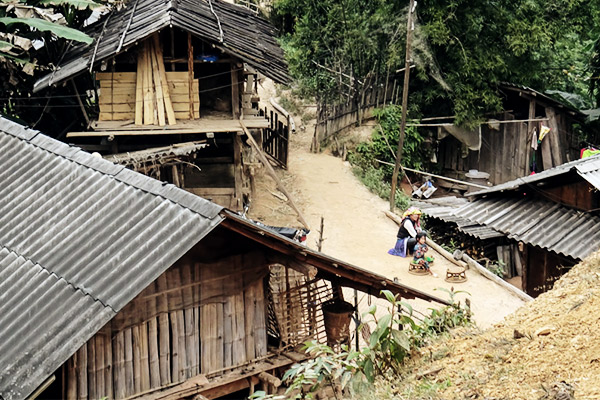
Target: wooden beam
(271, 172)
(300, 266)
(218, 386)
(139, 88)
(235, 92)
(190, 52)
(147, 132)
(158, 85)
(163, 79)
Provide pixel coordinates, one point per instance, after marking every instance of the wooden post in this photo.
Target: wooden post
(404, 105)
(163, 332)
(163, 80)
(91, 368)
(128, 363)
(158, 85)
(139, 87)
(108, 371)
(554, 135)
(270, 170)
(191, 75)
(175, 174)
(82, 386)
(72, 378)
(237, 171)
(100, 343)
(235, 91)
(148, 91)
(530, 126)
(546, 151)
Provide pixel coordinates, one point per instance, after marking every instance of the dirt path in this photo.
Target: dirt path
(357, 231)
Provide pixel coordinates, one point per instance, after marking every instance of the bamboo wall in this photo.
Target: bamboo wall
(194, 319)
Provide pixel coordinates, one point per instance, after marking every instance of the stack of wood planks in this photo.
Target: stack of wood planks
(149, 96)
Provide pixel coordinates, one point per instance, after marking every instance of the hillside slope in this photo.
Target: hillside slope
(548, 349)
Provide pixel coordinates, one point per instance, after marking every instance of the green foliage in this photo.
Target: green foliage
(325, 367)
(450, 246)
(392, 337)
(462, 49)
(45, 26)
(496, 268)
(368, 156)
(443, 319)
(374, 179)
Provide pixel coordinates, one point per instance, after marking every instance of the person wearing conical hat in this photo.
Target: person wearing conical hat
(406, 237)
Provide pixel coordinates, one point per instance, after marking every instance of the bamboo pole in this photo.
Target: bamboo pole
(191, 74)
(163, 80)
(437, 176)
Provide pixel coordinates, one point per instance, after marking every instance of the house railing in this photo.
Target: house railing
(275, 138)
(332, 118)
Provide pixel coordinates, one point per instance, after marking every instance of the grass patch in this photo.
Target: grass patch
(374, 179)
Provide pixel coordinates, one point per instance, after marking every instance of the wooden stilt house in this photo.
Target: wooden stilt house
(115, 285)
(502, 147)
(166, 72)
(537, 226)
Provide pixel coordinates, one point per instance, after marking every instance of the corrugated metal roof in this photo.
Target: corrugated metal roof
(588, 168)
(346, 274)
(79, 238)
(245, 35)
(444, 208)
(155, 154)
(539, 223)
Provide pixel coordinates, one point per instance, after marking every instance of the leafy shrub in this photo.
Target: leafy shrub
(384, 143)
(374, 179)
(391, 339)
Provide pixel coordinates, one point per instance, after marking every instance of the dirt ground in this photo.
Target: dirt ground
(356, 229)
(549, 349)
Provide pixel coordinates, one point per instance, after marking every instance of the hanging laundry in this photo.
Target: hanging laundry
(543, 132)
(534, 139)
(588, 152)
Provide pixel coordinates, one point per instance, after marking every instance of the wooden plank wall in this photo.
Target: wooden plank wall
(194, 319)
(503, 153)
(117, 96)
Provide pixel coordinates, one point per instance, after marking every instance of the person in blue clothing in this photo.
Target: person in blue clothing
(410, 226)
(419, 253)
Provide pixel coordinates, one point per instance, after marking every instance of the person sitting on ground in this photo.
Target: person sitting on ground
(419, 253)
(406, 237)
